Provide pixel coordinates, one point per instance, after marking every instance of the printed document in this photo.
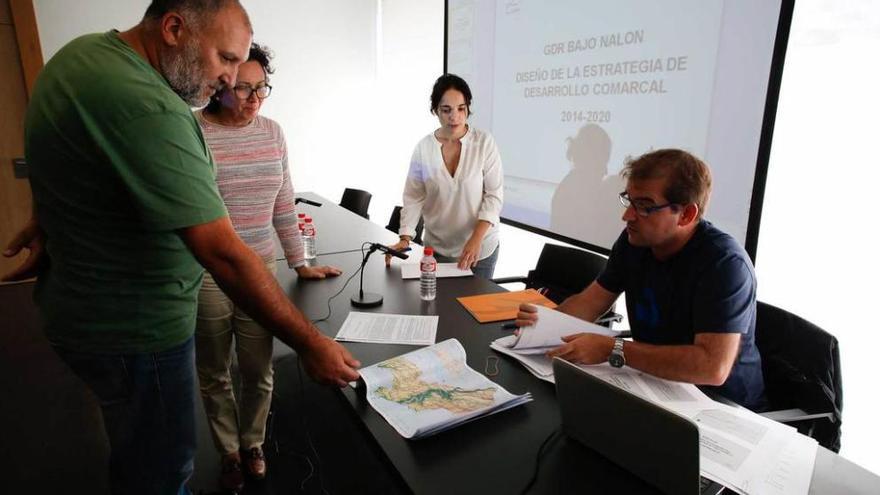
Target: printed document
(744, 451)
(389, 329)
(444, 270)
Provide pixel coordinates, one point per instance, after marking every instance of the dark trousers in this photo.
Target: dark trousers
(148, 403)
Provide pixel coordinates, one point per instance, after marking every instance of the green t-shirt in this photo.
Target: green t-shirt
(117, 164)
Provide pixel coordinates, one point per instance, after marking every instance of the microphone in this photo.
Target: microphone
(393, 252)
(306, 201)
(371, 299)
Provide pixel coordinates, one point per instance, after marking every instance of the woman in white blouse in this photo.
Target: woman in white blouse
(455, 183)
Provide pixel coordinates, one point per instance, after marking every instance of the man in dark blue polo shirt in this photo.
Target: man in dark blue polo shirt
(690, 288)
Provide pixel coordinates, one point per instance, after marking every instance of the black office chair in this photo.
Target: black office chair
(356, 201)
(394, 224)
(802, 380)
(562, 272)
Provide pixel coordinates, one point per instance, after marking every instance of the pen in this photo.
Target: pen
(509, 326)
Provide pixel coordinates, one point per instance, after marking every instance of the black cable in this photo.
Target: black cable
(305, 425)
(353, 275)
(546, 443)
(278, 448)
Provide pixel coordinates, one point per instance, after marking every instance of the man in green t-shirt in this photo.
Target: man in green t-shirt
(126, 206)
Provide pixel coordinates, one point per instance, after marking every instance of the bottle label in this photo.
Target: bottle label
(429, 266)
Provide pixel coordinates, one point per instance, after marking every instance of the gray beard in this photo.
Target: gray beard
(183, 71)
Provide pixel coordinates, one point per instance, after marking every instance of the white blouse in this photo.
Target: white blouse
(452, 206)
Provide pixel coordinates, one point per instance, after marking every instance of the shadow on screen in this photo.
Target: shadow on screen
(585, 205)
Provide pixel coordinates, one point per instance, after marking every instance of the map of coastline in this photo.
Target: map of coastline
(408, 389)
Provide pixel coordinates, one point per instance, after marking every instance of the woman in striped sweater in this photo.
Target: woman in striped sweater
(253, 178)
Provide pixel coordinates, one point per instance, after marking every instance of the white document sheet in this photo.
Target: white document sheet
(750, 453)
(444, 270)
(389, 329)
(547, 333)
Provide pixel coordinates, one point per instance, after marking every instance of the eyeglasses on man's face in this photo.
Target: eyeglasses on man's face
(244, 91)
(642, 207)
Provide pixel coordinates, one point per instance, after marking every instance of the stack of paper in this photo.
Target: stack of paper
(432, 389)
(530, 344)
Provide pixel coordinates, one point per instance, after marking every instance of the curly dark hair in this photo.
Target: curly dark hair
(257, 53)
(446, 82)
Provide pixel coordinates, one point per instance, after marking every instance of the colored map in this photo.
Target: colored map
(410, 390)
(432, 389)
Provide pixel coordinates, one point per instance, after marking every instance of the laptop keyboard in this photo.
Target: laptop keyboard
(708, 487)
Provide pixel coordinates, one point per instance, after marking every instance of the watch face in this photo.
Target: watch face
(616, 360)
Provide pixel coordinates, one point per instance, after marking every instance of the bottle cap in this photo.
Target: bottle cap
(300, 215)
(429, 251)
(308, 219)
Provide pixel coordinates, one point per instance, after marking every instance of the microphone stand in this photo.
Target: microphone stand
(366, 299)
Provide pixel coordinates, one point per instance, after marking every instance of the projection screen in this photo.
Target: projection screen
(571, 88)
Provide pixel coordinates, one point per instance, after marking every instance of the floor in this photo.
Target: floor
(53, 440)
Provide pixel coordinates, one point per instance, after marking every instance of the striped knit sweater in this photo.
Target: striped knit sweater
(254, 181)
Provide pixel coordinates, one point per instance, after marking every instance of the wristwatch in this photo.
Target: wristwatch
(616, 358)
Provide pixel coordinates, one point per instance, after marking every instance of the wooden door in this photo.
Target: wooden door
(15, 193)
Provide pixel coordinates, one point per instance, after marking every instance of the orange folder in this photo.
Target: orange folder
(502, 305)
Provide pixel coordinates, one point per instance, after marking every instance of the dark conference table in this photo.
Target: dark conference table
(496, 454)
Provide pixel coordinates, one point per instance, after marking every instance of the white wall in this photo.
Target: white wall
(351, 86)
(818, 241)
(351, 92)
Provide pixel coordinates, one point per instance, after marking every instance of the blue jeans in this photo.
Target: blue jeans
(485, 267)
(148, 403)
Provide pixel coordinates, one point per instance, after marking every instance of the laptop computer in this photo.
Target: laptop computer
(655, 444)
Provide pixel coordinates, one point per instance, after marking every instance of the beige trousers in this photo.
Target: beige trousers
(232, 425)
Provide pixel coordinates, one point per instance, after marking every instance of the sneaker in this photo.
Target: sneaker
(255, 463)
(231, 477)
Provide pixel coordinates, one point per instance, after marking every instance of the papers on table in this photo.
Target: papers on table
(388, 329)
(444, 270)
(432, 389)
(531, 343)
(538, 364)
(547, 332)
(742, 450)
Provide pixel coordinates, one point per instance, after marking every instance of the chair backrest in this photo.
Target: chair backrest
(356, 201)
(564, 271)
(801, 365)
(394, 224)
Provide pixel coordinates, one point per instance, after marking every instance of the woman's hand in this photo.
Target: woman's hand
(399, 246)
(317, 272)
(470, 253)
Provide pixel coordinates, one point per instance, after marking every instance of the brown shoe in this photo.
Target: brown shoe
(231, 477)
(255, 463)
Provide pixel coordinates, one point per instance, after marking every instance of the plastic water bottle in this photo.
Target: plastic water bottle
(428, 279)
(308, 237)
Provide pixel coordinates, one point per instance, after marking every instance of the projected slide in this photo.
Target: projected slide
(572, 88)
(578, 82)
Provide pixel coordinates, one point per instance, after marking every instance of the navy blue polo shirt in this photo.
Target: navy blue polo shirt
(707, 287)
